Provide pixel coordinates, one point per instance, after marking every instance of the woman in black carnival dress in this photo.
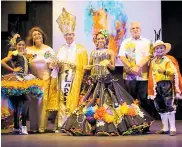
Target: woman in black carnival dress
(106, 109)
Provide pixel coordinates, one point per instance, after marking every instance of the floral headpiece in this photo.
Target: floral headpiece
(105, 33)
(12, 40)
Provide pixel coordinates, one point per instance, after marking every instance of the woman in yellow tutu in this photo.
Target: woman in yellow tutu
(19, 84)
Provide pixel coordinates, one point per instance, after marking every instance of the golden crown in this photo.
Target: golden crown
(67, 22)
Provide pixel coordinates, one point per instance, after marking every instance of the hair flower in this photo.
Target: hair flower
(15, 53)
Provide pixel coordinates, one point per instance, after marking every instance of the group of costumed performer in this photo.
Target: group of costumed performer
(106, 108)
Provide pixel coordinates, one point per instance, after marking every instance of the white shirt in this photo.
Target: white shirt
(141, 49)
(67, 53)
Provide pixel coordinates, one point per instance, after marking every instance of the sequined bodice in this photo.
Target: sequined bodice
(20, 61)
(38, 66)
(98, 56)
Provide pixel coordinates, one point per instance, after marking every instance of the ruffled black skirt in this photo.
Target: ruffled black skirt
(107, 109)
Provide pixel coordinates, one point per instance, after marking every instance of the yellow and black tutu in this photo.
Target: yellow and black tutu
(20, 84)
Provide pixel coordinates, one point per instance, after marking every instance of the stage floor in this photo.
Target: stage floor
(61, 140)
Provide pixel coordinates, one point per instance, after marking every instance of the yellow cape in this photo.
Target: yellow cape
(55, 100)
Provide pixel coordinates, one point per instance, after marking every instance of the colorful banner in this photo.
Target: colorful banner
(115, 16)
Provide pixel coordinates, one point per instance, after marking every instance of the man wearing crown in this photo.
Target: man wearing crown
(72, 58)
(164, 85)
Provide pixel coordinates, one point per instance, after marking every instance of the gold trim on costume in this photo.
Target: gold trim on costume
(67, 22)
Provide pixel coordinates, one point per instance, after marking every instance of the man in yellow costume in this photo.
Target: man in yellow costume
(72, 58)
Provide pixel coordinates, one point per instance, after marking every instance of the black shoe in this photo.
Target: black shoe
(15, 131)
(147, 131)
(50, 131)
(162, 132)
(33, 132)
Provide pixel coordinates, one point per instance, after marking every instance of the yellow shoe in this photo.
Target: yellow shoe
(41, 131)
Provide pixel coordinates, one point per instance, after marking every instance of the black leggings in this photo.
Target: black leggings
(17, 102)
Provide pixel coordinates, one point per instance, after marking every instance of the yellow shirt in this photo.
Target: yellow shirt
(165, 64)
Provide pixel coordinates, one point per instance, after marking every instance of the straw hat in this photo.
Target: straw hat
(159, 42)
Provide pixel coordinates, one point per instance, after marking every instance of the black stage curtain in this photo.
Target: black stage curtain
(38, 13)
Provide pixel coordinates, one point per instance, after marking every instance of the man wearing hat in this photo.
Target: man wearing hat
(164, 85)
(72, 60)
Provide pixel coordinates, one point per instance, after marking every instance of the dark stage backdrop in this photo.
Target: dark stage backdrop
(172, 26)
(40, 14)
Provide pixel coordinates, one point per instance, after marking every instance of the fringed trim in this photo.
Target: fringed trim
(155, 85)
(152, 97)
(176, 78)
